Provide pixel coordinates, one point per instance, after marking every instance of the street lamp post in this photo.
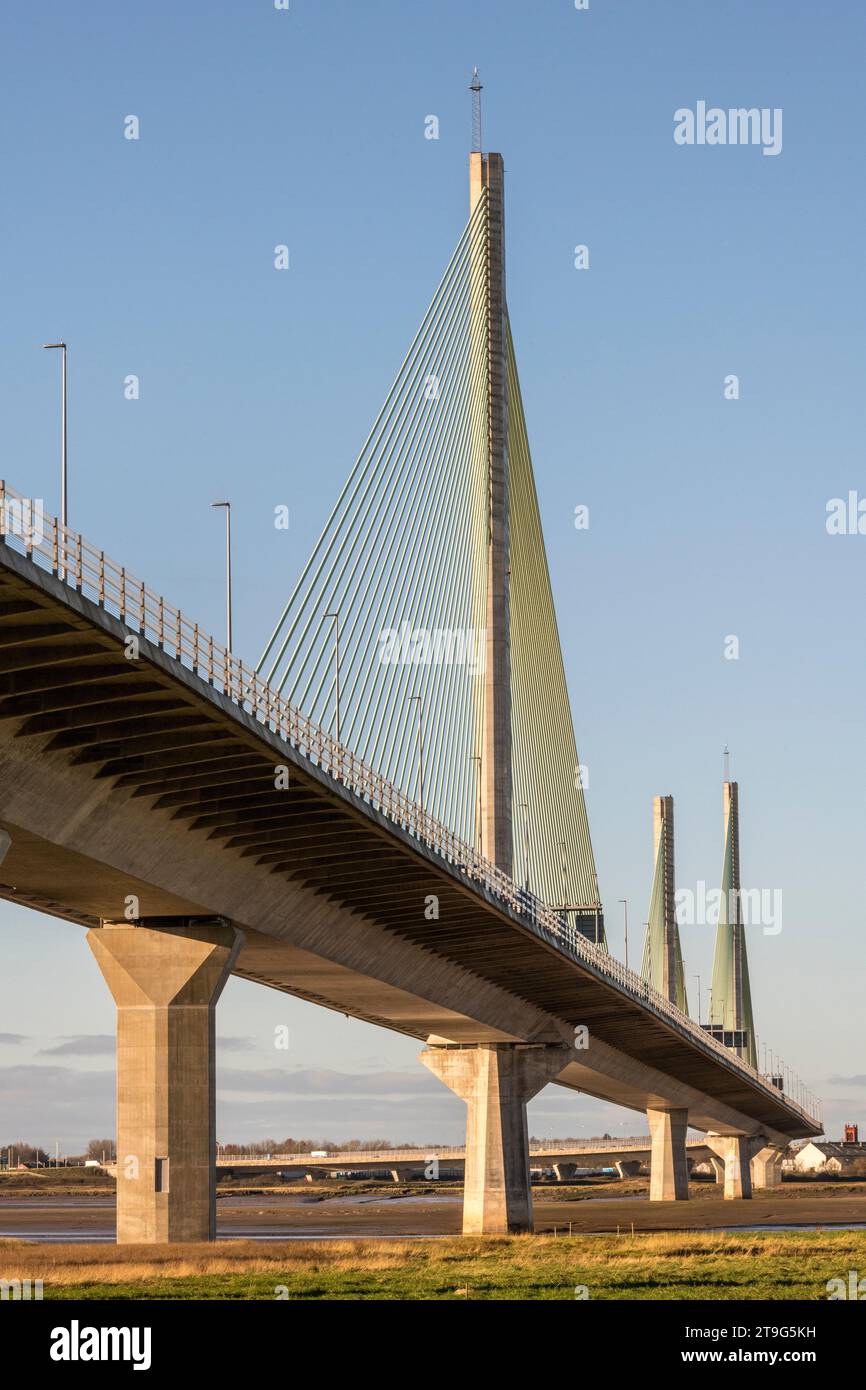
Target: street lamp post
(410, 699)
(228, 510)
(524, 807)
(64, 475)
(476, 758)
(335, 618)
(624, 902)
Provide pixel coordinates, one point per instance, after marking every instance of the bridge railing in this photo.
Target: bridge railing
(88, 570)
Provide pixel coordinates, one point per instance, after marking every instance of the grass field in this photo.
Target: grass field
(783, 1265)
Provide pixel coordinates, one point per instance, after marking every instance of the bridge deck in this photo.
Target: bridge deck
(152, 734)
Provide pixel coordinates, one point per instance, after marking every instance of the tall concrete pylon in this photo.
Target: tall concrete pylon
(445, 661)
(662, 957)
(731, 1002)
(490, 341)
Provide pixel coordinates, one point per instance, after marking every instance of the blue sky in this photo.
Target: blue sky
(707, 516)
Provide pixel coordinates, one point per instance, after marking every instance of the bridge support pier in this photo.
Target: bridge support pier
(718, 1168)
(496, 1080)
(767, 1166)
(564, 1172)
(166, 976)
(733, 1150)
(669, 1174)
(627, 1168)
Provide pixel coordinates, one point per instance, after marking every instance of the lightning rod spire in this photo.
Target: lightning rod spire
(475, 89)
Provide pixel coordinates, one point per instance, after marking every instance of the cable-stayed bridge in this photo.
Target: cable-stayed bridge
(385, 817)
(388, 628)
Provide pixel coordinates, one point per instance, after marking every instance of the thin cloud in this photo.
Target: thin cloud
(42, 1103)
(327, 1084)
(82, 1045)
(427, 1121)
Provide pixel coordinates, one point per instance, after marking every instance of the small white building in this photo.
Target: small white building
(824, 1157)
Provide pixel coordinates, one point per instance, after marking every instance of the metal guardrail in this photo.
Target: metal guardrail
(72, 559)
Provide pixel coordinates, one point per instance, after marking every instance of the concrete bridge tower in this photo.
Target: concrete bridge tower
(731, 1004)
(489, 352)
(663, 959)
(495, 1080)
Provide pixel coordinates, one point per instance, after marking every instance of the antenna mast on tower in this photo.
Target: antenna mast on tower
(475, 89)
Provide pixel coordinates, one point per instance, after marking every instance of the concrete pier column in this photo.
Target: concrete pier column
(734, 1151)
(166, 976)
(669, 1176)
(496, 1080)
(718, 1168)
(627, 1168)
(767, 1166)
(564, 1172)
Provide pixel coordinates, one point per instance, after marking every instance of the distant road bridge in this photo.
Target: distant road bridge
(626, 1155)
(305, 826)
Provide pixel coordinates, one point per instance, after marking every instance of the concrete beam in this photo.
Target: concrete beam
(496, 1081)
(294, 938)
(165, 982)
(603, 1071)
(669, 1176)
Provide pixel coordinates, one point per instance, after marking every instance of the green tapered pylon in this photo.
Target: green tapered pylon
(662, 956)
(731, 1002)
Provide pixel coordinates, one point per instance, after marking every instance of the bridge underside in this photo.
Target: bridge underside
(135, 779)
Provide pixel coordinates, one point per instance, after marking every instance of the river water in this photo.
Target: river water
(365, 1216)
